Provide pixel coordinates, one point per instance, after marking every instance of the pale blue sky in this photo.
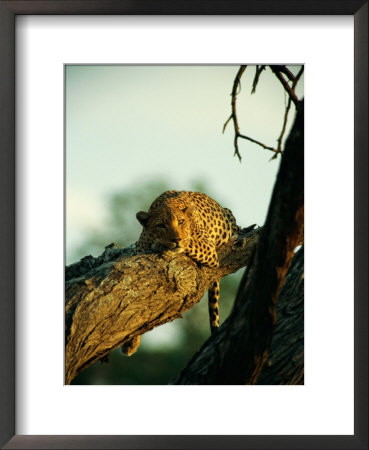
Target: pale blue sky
(128, 124)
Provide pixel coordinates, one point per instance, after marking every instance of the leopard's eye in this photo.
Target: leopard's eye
(160, 225)
(181, 222)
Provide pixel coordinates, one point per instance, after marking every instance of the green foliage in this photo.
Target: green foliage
(158, 360)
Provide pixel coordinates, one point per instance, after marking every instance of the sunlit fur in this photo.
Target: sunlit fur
(190, 222)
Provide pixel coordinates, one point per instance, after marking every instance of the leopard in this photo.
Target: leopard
(191, 223)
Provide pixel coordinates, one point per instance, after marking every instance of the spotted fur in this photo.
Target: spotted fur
(189, 222)
(193, 223)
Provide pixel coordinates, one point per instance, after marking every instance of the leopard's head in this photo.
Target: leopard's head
(168, 227)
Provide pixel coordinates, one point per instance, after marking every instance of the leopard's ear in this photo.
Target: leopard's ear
(142, 217)
(189, 208)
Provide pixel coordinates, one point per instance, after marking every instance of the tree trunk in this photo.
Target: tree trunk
(285, 363)
(238, 353)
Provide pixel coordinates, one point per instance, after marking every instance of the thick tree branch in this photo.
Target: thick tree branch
(237, 354)
(113, 298)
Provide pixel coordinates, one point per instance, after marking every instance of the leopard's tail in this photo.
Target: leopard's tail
(213, 300)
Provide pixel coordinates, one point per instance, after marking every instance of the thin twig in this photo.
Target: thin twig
(300, 72)
(266, 147)
(233, 116)
(236, 82)
(259, 69)
(285, 119)
(285, 84)
(279, 141)
(227, 121)
(234, 113)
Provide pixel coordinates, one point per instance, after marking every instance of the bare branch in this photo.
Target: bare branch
(285, 84)
(234, 94)
(227, 122)
(272, 149)
(285, 119)
(259, 69)
(300, 72)
(285, 71)
(278, 70)
(233, 116)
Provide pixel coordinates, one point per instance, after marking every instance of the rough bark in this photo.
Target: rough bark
(238, 353)
(113, 298)
(285, 364)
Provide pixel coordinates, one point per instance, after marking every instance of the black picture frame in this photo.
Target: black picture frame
(8, 11)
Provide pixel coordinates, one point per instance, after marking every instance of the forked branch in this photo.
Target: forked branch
(285, 84)
(279, 71)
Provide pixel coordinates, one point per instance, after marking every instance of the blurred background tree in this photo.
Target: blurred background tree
(165, 350)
